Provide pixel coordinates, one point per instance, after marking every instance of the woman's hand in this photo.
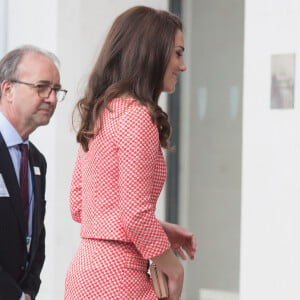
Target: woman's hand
(180, 239)
(175, 289)
(169, 264)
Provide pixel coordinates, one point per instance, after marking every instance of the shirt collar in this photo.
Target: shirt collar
(9, 133)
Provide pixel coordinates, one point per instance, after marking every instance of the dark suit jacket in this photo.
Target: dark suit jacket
(15, 277)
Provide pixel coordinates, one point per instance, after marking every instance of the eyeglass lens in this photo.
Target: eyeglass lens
(44, 91)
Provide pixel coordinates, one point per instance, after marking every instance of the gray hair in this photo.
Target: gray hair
(10, 62)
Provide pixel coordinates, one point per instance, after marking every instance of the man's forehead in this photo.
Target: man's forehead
(35, 64)
(33, 57)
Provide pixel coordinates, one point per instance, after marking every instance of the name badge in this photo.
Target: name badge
(36, 170)
(3, 188)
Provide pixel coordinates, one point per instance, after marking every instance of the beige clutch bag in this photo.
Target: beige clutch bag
(160, 282)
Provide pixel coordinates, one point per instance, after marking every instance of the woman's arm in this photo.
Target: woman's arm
(138, 144)
(76, 191)
(180, 239)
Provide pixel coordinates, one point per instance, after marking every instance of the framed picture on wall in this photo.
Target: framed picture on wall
(282, 81)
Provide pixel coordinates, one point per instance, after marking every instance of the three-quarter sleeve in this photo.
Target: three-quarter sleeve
(138, 142)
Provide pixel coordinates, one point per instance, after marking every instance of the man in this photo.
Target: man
(30, 89)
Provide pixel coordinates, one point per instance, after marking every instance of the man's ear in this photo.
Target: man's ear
(6, 90)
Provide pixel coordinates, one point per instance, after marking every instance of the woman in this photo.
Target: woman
(120, 169)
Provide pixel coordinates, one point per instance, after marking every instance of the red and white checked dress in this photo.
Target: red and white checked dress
(114, 191)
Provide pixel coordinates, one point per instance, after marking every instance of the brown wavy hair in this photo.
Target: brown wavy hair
(133, 61)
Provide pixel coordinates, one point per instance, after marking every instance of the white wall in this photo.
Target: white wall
(3, 26)
(270, 261)
(74, 30)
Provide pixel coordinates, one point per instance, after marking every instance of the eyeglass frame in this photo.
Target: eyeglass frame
(38, 85)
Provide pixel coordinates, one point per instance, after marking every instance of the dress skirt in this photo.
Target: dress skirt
(107, 269)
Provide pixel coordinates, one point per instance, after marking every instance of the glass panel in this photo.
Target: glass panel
(210, 143)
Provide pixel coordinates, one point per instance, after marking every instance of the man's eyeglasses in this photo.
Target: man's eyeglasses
(44, 90)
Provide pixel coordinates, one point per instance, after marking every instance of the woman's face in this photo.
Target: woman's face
(175, 65)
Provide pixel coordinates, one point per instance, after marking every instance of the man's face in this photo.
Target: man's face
(28, 109)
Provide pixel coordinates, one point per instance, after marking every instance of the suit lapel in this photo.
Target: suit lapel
(8, 172)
